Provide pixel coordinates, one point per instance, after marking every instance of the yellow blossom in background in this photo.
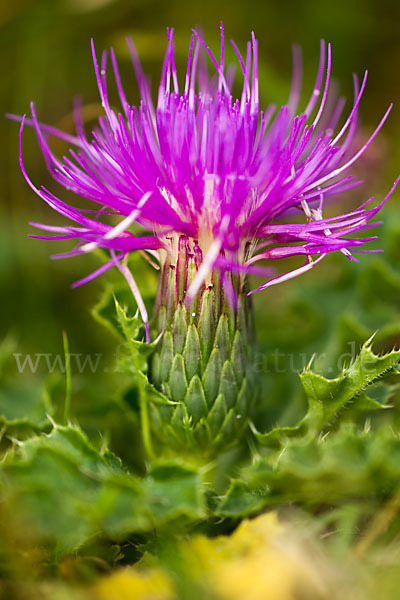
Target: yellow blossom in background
(130, 583)
(263, 559)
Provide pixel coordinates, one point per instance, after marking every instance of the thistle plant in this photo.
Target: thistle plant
(210, 188)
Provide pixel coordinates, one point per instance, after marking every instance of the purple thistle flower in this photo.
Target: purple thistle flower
(242, 184)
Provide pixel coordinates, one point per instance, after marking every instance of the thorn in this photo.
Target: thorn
(52, 421)
(14, 441)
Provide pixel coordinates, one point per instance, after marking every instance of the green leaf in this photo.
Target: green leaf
(347, 466)
(328, 397)
(66, 487)
(130, 325)
(136, 362)
(377, 398)
(69, 491)
(104, 311)
(25, 404)
(241, 500)
(175, 489)
(275, 438)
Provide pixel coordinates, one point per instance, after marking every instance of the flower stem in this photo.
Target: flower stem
(67, 404)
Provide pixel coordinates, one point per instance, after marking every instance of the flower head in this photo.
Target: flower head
(244, 184)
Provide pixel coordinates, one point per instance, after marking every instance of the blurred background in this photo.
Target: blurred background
(45, 57)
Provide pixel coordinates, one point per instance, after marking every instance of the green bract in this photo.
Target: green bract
(202, 364)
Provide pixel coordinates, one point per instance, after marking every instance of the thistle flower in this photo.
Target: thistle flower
(208, 185)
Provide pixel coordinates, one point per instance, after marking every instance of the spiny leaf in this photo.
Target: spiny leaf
(275, 438)
(377, 398)
(66, 488)
(328, 397)
(104, 311)
(349, 465)
(136, 363)
(174, 489)
(241, 500)
(130, 326)
(70, 491)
